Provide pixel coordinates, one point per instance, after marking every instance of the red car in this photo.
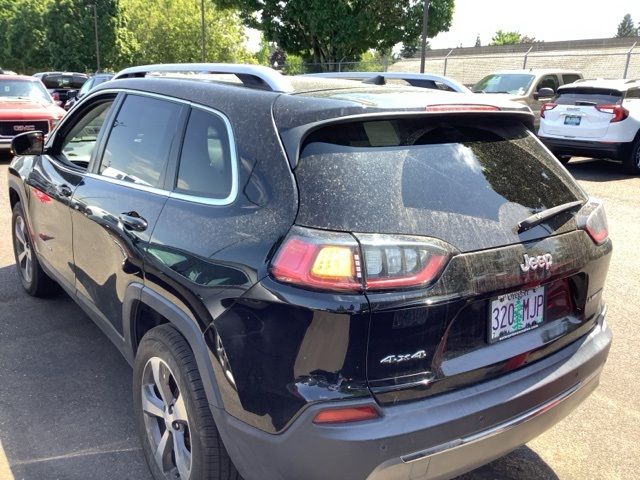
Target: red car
(25, 105)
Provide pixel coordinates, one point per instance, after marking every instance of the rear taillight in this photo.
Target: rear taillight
(346, 415)
(324, 260)
(618, 111)
(593, 219)
(546, 107)
(399, 261)
(341, 262)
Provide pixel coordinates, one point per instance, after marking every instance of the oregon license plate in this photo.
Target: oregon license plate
(572, 120)
(515, 313)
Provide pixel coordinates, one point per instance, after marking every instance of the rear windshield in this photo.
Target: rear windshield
(63, 81)
(588, 96)
(423, 176)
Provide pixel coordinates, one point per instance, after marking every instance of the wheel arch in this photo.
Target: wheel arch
(141, 301)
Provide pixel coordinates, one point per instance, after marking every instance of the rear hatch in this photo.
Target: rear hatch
(580, 112)
(466, 180)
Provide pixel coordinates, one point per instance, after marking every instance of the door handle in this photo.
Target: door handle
(133, 221)
(64, 191)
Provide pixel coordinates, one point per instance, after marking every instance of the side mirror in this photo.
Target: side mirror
(544, 92)
(28, 143)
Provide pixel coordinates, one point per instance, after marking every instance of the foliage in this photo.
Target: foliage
(168, 31)
(413, 47)
(70, 34)
(294, 65)
(339, 30)
(26, 38)
(506, 38)
(7, 12)
(627, 27)
(478, 42)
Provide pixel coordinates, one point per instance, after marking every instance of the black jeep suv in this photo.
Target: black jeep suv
(317, 279)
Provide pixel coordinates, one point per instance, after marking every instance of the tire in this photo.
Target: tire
(165, 368)
(631, 162)
(34, 280)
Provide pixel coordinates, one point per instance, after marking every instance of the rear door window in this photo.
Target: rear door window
(140, 141)
(588, 96)
(206, 161)
(570, 78)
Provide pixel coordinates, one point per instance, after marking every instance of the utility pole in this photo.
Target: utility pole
(425, 22)
(204, 48)
(95, 25)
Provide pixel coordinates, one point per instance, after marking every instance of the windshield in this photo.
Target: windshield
(23, 89)
(513, 83)
(588, 96)
(467, 181)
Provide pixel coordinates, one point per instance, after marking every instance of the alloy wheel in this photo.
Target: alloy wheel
(166, 420)
(24, 254)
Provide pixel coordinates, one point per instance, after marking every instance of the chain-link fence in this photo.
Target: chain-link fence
(468, 69)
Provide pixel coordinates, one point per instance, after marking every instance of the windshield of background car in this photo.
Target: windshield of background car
(24, 89)
(429, 176)
(64, 81)
(588, 96)
(513, 83)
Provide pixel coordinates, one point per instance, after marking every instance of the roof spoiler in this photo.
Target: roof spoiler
(251, 76)
(293, 138)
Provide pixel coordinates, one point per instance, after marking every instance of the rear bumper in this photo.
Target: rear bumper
(5, 144)
(435, 438)
(583, 148)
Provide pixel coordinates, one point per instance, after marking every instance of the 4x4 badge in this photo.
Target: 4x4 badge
(533, 263)
(391, 359)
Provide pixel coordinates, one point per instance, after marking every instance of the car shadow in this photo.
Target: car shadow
(65, 393)
(65, 398)
(596, 170)
(521, 464)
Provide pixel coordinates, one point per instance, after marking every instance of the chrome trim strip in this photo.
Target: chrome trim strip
(233, 193)
(137, 186)
(501, 428)
(273, 79)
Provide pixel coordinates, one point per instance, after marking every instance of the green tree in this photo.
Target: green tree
(7, 11)
(506, 38)
(627, 27)
(478, 42)
(331, 31)
(168, 31)
(27, 38)
(70, 35)
(412, 47)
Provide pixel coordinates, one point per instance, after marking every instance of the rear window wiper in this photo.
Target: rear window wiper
(544, 215)
(586, 103)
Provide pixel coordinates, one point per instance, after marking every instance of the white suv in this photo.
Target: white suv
(595, 118)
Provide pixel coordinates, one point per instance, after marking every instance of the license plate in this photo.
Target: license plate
(515, 313)
(572, 120)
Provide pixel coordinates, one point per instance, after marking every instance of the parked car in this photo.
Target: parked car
(533, 87)
(25, 105)
(422, 80)
(92, 81)
(59, 84)
(316, 279)
(595, 118)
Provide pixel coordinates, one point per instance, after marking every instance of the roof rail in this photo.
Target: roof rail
(252, 76)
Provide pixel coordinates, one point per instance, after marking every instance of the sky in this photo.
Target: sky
(546, 20)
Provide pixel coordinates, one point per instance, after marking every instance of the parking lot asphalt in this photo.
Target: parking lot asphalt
(65, 391)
